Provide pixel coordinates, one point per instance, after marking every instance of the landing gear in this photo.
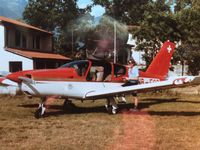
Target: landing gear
(111, 106)
(68, 106)
(41, 109)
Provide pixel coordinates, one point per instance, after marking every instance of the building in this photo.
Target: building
(25, 47)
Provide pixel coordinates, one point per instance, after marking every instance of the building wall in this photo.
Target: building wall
(5, 56)
(2, 41)
(179, 70)
(45, 40)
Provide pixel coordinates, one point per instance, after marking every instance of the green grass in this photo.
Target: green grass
(20, 130)
(177, 121)
(176, 118)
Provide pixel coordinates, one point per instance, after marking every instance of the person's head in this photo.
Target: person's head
(131, 62)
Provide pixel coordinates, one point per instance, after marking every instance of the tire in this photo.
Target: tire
(114, 111)
(109, 109)
(68, 107)
(38, 113)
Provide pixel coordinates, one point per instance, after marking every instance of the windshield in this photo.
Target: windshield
(80, 66)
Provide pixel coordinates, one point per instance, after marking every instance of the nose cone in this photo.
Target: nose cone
(14, 76)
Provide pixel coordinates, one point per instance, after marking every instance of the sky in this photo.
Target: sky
(96, 10)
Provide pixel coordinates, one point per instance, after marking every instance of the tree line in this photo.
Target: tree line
(154, 22)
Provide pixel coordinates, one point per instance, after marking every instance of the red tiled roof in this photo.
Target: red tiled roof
(4, 19)
(32, 54)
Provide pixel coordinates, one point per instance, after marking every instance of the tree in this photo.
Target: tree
(188, 18)
(126, 11)
(51, 14)
(54, 16)
(78, 32)
(106, 37)
(158, 26)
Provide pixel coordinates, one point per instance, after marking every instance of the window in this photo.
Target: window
(33, 42)
(17, 38)
(7, 33)
(15, 66)
(119, 70)
(80, 66)
(20, 39)
(23, 41)
(38, 42)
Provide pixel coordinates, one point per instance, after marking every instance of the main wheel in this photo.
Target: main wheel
(38, 113)
(109, 108)
(68, 106)
(114, 111)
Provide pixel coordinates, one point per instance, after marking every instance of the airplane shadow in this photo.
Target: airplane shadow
(56, 110)
(149, 102)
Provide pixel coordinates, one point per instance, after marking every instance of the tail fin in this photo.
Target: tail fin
(161, 63)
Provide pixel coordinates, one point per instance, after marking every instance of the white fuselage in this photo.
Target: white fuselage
(66, 88)
(84, 90)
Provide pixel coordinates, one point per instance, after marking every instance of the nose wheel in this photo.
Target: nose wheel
(41, 109)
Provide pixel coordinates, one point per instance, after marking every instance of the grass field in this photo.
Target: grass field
(163, 122)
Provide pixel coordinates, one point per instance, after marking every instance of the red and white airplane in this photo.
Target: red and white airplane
(92, 79)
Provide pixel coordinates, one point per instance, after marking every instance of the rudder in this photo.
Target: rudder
(161, 63)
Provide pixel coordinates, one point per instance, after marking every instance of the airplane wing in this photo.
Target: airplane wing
(172, 83)
(82, 91)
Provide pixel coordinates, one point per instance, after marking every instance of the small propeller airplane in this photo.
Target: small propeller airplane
(93, 79)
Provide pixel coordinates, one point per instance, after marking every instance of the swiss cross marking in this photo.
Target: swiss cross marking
(169, 48)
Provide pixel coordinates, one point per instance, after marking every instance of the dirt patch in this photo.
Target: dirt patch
(137, 132)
